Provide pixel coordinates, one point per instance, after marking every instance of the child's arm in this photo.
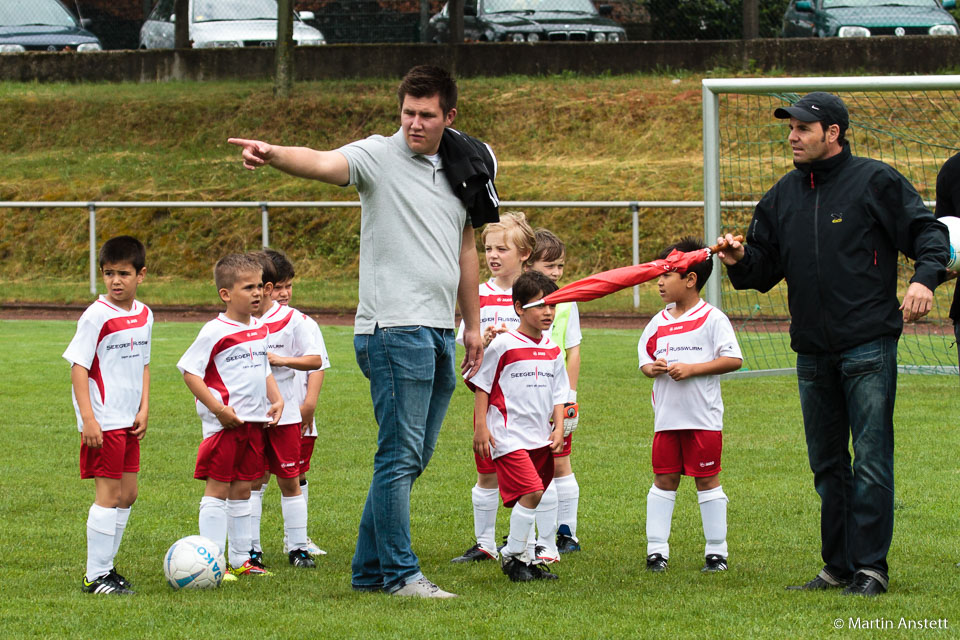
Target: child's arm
(655, 368)
(222, 412)
(275, 399)
(300, 363)
(140, 421)
(573, 366)
(482, 440)
(92, 434)
(309, 406)
(723, 364)
(557, 434)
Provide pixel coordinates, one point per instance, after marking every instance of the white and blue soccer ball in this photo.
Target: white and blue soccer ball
(953, 226)
(194, 562)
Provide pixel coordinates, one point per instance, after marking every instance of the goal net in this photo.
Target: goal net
(911, 123)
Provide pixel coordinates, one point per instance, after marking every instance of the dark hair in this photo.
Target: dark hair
(230, 266)
(269, 274)
(702, 269)
(425, 81)
(530, 285)
(124, 249)
(281, 264)
(547, 247)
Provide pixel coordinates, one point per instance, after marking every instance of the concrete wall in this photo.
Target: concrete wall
(881, 56)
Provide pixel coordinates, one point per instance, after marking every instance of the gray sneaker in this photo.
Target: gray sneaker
(423, 588)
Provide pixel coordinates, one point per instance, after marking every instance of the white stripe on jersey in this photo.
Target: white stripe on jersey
(113, 345)
(496, 309)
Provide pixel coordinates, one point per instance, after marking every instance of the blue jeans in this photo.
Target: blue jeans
(411, 373)
(844, 395)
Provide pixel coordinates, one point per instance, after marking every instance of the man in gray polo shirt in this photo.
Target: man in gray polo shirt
(418, 257)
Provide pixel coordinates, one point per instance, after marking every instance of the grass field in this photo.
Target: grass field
(603, 592)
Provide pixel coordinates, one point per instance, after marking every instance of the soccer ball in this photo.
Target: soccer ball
(194, 562)
(953, 227)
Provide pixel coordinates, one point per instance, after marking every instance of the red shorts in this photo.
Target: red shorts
(695, 452)
(232, 454)
(523, 471)
(119, 454)
(567, 447)
(306, 452)
(282, 448)
(484, 465)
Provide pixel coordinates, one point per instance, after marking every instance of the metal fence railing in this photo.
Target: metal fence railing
(130, 24)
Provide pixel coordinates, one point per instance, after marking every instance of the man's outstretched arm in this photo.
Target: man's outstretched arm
(325, 166)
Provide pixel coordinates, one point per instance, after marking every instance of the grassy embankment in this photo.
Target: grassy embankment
(557, 138)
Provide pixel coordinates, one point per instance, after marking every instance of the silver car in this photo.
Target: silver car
(225, 23)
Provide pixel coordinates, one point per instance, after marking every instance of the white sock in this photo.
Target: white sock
(531, 553)
(238, 531)
(256, 510)
(659, 517)
(547, 521)
(303, 490)
(521, 520)
(713, 511)
(568, 495)
(213, 520)
(101, 531)
(294, 509)
(485, 503)
(123, 516)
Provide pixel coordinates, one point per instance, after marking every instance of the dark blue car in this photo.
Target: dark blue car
(42, 25)
(864, 18)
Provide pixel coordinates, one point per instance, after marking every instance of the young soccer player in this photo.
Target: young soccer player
(558, 509)
(227, 370)
(110, 374)
(684, 348)
(507, 244)
(521, 384)
(291, 347)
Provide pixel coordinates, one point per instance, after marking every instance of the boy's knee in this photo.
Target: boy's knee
(668, 481)
(705, 484)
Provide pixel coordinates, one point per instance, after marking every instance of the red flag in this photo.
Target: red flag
(607, 282)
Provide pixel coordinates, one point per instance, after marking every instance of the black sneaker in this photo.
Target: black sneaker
(714, 563)
(301, 558)
(818, 584)
(476, 553)
(865, 585)
(540, 572)
(119, 579)
(256, 559)
(104, 584)
(656, 563)
(566, 543)
(518, 570)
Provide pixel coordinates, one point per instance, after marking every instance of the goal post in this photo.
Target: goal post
(910, 122)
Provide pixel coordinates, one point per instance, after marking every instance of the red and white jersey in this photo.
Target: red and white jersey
(702, 334)
(301, 376)
(113, 345)
(525, 380)
(290, 337)
(231, 357)
(496, 309)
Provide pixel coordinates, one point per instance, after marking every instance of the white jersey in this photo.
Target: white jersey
(525, 380)
(301, 376)
(232, 360)
(113, 345)
(496, 309)
(290, 337)
(702, 334)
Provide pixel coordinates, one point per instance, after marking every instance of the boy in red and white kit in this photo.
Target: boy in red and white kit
(684, 348)
(110, 375)
(507, 244)
(521, 385)
(227, 370)
(291, 348)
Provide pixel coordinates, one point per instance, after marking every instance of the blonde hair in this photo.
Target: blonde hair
(515, 228)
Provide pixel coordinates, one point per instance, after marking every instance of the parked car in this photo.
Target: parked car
(42, 25)
(529, 21)
(862, 18)
(225, 23)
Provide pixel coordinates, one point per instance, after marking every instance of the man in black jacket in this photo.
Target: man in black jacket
(832, 228)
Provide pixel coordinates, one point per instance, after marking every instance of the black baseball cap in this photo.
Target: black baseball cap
(818, 106)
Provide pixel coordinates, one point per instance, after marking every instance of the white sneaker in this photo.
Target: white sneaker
(313, 549)
(423, 588)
